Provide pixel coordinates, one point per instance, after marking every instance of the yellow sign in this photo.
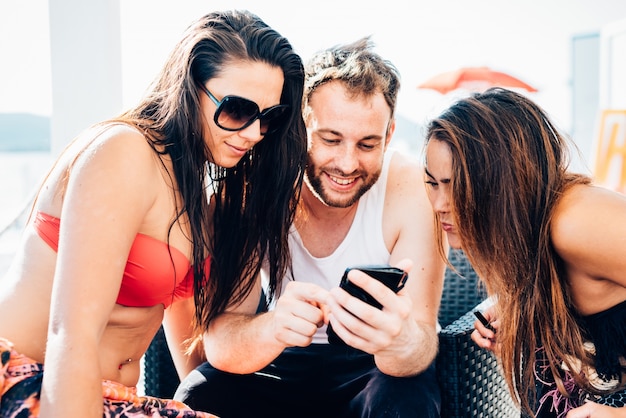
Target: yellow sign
(610, 161)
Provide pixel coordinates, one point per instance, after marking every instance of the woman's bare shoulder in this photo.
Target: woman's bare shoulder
(115, 134)
(588, 229)
(585, 204)
(115, 145)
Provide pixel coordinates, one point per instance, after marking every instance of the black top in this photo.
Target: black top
(607, 331)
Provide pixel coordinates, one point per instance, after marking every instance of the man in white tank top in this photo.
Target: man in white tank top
(362, 204)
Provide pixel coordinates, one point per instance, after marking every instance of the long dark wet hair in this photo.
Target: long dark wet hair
(254, 201)
(509, 170)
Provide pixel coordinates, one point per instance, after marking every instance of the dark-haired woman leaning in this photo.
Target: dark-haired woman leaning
(170, 199)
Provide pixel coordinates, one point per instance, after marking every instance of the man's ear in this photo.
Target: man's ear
(390, 130)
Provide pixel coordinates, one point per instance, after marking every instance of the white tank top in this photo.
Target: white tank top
(364, 244)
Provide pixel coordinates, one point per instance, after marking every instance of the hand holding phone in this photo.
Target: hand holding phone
(484, 321)
(392, 277)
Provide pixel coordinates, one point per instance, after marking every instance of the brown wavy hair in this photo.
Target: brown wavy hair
(509, 169)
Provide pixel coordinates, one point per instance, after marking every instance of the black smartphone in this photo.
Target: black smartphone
(484, 321)
(392, 277)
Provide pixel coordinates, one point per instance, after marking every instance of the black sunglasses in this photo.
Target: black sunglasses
(235, 113)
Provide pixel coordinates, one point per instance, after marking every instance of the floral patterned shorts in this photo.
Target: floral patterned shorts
(20, 387)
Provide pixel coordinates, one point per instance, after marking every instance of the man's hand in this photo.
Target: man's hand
(299, 312)
(381, 332)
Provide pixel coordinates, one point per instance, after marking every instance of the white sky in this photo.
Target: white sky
(530, 39)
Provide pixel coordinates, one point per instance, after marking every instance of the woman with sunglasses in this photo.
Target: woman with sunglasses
(546, 241)
(182, 195)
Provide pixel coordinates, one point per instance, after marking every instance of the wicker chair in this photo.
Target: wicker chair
(469, 377)
(160, 376)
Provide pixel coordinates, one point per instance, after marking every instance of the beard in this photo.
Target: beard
(313, 179)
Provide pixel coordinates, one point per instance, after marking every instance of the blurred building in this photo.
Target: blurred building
(599, 102)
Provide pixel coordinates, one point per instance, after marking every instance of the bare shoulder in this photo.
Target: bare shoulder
(117, 159)
(407, 209)
(118, 147)
(116, 137)
(104, 155)
(406, 192)
(588, 219)
(587, 231)
(405, 174)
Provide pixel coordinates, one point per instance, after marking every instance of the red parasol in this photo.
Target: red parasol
(475, 79)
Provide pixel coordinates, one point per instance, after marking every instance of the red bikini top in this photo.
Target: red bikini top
(150, 277)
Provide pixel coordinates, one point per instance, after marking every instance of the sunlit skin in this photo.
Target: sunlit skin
(253, 80)
(579, 203)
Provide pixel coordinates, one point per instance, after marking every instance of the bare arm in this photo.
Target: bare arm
(101, 214)
(402, 337)
(179, 333)
(589, 233)
(241, 341)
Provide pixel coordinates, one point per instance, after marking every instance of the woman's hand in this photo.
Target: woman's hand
(485, 337)
(594, 410)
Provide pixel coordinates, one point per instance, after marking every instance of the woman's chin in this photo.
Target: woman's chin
(454, 241)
